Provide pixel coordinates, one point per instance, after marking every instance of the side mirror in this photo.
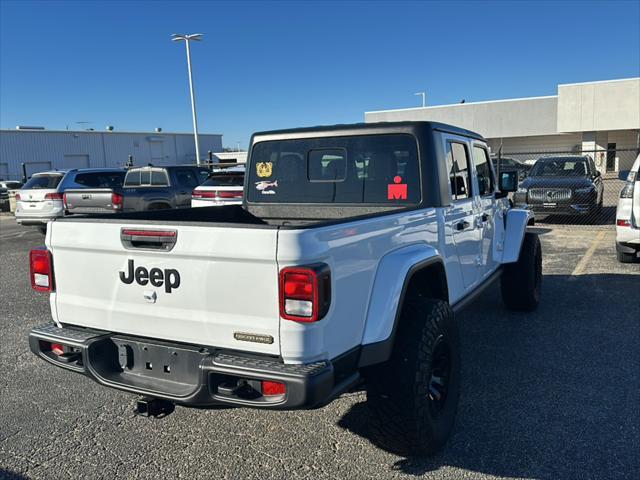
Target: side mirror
(508, 183)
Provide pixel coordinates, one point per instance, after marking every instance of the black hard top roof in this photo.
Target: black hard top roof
(371, 128)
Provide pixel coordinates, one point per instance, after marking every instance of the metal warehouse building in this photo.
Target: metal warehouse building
(51, 149)
(593, 116)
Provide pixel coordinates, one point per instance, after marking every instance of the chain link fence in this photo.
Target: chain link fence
(569, 187)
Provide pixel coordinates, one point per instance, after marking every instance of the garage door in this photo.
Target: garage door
(35, 167)
(75, 161)
(4, 171)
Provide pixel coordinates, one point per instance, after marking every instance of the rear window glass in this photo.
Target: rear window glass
(100, 179)
(145, 178)
(367, 169)
(42, 181)
(224, 180)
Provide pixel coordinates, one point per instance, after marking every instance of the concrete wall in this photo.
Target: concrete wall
(497, 119)
(599, 106)
(42, 150)
(567, 142)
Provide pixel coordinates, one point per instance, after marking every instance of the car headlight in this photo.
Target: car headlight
(584, 190)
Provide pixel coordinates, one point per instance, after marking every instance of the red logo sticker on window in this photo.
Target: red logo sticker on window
(397, 190)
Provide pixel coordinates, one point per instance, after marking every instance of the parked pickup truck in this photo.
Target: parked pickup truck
(145, 188)
(353, 249)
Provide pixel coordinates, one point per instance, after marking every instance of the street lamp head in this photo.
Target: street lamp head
(176, 37)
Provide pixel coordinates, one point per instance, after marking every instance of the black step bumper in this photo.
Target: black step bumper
(187, 374)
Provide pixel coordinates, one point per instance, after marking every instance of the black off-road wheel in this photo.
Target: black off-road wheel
(413, 398)
(521, 282)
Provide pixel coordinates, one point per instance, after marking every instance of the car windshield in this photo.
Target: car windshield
(556, 167)
(39, 182)
(224, 180)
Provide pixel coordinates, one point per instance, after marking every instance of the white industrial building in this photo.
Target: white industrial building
(593, 116)
(41, 149)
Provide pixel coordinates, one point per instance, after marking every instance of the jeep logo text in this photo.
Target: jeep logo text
(168, 277)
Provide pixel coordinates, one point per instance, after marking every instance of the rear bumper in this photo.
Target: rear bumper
(188, 375)
(628, 247)
(40, 219)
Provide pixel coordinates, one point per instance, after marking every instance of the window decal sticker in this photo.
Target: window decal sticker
(266, 188)
(264, 169)
(397, 190)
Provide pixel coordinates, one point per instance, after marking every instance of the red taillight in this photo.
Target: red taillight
(116, 201)
(203, 194)
(215, 194)
(149, 233)
(64, 200)
(270, 388)
(41, 268)
(57, 348)
(623, 223)
(224, 194)
(53, 196)
(305, 293)
(17, 196)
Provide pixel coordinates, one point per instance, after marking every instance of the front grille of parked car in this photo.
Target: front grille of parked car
(549, 194)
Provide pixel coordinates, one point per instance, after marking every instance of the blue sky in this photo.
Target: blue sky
(272, 65)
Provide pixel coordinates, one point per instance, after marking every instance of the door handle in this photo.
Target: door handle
(461, 225)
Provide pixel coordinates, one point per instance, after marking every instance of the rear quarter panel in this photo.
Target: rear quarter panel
(353, 252)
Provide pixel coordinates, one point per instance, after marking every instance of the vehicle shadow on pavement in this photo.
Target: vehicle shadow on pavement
(549, 394)
(9, 475)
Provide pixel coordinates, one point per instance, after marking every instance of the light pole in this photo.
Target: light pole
(424, 98)
(178, 37)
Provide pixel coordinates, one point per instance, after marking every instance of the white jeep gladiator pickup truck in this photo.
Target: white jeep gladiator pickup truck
(344, 266)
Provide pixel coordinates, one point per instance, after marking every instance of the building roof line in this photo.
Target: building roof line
(106, 132)
(599, 81)
(463, 104)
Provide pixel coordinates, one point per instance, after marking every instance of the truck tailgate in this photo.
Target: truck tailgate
(214, 283)
(90, 200)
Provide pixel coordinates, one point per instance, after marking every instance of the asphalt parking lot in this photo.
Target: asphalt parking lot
(548, 395)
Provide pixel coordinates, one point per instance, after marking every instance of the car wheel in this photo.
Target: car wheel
(521, 281)
(627, 257)
(413, 398)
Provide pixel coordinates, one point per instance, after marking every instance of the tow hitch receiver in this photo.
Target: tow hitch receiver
(154, 407)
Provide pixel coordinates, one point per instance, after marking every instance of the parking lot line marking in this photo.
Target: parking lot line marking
(584, 261)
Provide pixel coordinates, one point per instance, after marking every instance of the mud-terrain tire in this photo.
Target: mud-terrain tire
(413, 397)
(627, 257)
(521, 281)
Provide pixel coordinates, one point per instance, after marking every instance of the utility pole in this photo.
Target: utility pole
(178, 37)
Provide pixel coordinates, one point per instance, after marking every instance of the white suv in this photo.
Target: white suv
(628, 217)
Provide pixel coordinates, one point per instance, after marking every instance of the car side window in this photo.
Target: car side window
(159, 178)
(484, 172)
(459, 177)
(132, 179)
(186, 178)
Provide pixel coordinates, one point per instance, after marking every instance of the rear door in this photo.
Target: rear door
(204, 286)
(461, 215)
(485, 198)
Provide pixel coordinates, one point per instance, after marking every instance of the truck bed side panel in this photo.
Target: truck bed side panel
(353, 252)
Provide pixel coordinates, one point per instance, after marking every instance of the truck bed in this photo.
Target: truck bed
(237, 216)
